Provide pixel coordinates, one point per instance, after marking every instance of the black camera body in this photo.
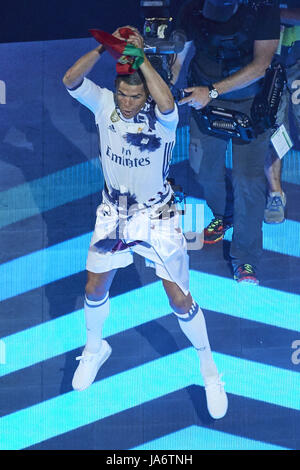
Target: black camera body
(161, 43)
(226, 122)
(266, 103)
(157, 18)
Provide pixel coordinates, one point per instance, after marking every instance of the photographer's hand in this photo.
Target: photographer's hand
(263, 53)
(198, 97)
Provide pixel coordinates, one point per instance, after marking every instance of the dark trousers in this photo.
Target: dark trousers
(244, 199)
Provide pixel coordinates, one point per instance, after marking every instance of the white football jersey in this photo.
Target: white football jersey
(135, 154)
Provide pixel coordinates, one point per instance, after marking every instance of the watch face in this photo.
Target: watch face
(213, 93)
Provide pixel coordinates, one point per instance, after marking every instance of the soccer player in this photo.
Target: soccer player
(137, 129)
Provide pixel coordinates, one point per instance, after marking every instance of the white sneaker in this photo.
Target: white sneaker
(89, 365)
(217, 402)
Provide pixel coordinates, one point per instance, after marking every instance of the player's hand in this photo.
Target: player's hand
(117, 34)
(198, 97)
(136, 39)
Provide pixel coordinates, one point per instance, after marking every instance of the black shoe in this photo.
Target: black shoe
(245, 273)
(215, 231)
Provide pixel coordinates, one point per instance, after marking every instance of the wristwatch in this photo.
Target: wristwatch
(213, 93)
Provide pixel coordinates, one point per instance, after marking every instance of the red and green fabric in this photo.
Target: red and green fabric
(129, 58)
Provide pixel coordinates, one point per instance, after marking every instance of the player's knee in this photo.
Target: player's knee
(188, 315)
(181, 303)
(94, 291)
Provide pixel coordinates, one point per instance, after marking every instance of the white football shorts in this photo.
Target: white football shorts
(160, 241)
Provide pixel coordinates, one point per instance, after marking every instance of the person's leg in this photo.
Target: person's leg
(100, 258)
(96, 307)
(192, 323)
(249, 190)
(273, 167)
(207, 159)
(276, 198)
(96, 310)
(249, 186)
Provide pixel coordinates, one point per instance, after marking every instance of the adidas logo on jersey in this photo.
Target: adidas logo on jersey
(112, 128)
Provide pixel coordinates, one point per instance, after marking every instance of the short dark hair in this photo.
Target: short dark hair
(135, 78)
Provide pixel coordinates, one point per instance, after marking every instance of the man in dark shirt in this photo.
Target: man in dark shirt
(233, 46)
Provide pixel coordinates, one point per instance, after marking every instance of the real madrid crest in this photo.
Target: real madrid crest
(114, 117)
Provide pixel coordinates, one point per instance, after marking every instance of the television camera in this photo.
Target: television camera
(161, 41)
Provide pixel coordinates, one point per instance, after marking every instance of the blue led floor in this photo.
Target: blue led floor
(271, 307)
(131, 388)
(197, 438)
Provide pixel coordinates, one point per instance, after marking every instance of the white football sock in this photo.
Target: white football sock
(193, 326)
(95, 314)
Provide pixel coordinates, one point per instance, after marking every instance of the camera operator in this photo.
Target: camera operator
(234, 44)
(290, 58)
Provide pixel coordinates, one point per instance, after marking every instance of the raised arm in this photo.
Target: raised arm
(263, 53)
(84, 65)
(262, 57)
(157, 87)
(75, 74)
